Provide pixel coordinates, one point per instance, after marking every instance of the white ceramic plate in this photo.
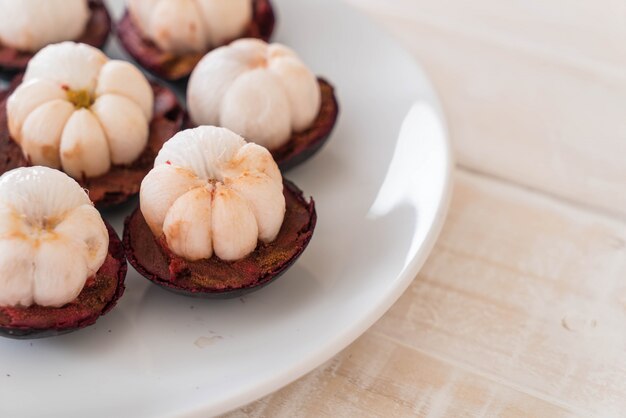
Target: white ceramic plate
(381, 186)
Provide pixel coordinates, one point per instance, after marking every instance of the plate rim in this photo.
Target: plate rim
(333, 346)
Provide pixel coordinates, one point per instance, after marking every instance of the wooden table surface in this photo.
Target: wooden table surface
(520, 310)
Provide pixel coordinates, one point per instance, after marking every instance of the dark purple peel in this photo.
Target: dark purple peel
(98, 297)
(173, 67)
(215, 278)
(121, 182)
(96, 34)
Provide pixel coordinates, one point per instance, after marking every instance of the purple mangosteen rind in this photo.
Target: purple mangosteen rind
(22, 328)
(215, 278)
(121, 182)
(96, 34)
(172, 67)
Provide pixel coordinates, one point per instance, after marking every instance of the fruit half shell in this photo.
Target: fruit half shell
(215, 278)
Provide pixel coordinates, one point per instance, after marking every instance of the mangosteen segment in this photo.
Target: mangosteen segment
(303, 145)
(123, 182)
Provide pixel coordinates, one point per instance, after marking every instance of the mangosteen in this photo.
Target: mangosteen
(61, 265)
(169, 42)
(216, 219)
(96, 33)
(265, 93)
(104, 124)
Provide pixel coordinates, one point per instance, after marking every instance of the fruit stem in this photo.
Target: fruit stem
(80, 98)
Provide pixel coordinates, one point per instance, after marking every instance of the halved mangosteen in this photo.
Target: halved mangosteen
(179, 45)
(265, 93)
(216, 219)
(96, 33)
(61, 265)
(130, 109)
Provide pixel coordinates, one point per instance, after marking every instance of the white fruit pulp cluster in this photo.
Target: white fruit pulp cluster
(210, 192)
(29, 25)
(52, 239)
(79, 111)
(190, 26)
(263, 92)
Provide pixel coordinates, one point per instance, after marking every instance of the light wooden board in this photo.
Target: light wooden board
(378, 377)
(520, 311)
(534, 91)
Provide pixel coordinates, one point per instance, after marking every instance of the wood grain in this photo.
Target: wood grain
(526, 289)
(534, 92)
(520, 311)
(377, 377)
